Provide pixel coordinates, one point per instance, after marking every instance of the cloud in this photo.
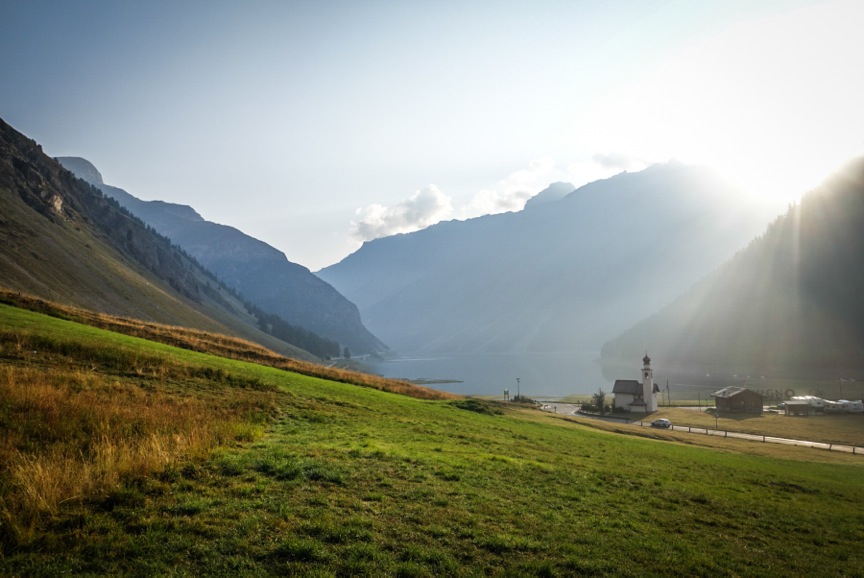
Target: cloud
(490, 202)
(616, 161)
(425, 207)
(430, 205)
(513, 191)
(538, 173)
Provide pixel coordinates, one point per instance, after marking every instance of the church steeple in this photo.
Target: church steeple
(648, 385)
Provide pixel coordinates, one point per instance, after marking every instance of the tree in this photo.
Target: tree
(347, 353)
(598, 400)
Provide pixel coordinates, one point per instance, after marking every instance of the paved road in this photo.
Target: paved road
(573, 409)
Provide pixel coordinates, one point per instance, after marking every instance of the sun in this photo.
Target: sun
(772, 103)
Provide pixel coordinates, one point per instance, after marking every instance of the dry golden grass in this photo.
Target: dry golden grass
(81, 420)
(76, 436)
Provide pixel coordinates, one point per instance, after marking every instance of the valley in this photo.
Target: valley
(432, 289)
(155, 423)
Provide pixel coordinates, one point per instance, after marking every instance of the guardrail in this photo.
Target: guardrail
(761, 438)
(849, 449)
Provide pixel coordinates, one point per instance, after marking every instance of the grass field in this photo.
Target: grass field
(305, 476)
(845, 429)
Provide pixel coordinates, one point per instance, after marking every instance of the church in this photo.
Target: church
(632, 396)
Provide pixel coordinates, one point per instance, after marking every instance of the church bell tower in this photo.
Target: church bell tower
(648, 385)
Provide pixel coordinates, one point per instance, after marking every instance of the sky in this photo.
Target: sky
(316, 126)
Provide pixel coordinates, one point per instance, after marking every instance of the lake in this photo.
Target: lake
(541, 375)
(555, 375)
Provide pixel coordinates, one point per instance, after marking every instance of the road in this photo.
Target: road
(573, 409)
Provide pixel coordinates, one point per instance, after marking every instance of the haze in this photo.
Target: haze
(316, 125)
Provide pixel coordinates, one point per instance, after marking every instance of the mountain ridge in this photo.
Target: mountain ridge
(260, 272)
(562, 275)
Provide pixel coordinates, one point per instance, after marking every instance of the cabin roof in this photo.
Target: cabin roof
(732, 391)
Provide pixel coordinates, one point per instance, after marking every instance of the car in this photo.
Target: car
(662, 422)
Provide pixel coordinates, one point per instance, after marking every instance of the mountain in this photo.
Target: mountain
(63, 240)
(790, 302)
(568, 272)
(259, 272)
(554, 192)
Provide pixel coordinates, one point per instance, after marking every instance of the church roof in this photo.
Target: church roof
(627, 386)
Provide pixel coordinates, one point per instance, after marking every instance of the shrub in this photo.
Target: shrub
(476, 406)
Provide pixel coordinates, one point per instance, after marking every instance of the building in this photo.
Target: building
(735, 399)
(798, 407)
(630, 395)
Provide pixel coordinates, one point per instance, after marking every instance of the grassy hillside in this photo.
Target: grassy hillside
(214, 343)
(204, 465)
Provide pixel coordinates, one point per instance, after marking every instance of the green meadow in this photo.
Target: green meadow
(196, 464)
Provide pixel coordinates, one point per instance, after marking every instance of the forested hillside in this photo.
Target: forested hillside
(260, 273)
(62, 239)
(791, 301)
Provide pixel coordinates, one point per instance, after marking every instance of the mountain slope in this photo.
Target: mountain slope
(63, 240)
(261, 273)
(561, 275)
(790, 301)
